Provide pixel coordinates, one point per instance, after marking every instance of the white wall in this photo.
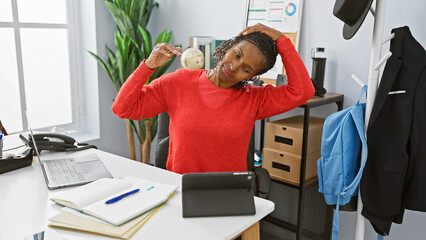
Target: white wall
(223, 19)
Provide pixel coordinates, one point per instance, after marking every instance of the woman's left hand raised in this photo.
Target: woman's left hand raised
(271, 32)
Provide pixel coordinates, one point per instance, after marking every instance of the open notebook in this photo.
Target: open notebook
(91, 198)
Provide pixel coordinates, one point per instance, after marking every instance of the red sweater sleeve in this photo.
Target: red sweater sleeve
(135, 100)
(277, 100)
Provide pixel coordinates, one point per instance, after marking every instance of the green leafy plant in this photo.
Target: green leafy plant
(133, 43)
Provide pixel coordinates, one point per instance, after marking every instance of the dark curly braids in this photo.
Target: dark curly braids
(265, 44)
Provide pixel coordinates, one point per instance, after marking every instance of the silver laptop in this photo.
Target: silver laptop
(70, 171)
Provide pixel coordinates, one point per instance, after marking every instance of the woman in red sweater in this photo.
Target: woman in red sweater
(212, 113)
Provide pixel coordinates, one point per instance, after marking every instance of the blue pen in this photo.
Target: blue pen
(118, 198)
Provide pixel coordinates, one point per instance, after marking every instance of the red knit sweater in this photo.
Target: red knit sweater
(203, 139)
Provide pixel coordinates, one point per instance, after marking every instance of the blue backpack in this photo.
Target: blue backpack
(339, 170)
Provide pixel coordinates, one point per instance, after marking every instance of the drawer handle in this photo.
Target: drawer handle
(284, 140)
(281, 166)
(284, 128)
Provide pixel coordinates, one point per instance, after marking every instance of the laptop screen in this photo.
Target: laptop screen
(32, 137)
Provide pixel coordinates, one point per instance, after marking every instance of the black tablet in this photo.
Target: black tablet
(218, 194)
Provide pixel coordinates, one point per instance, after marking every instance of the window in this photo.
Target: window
(38, 65)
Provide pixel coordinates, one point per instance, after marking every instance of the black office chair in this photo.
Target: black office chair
(263, 180)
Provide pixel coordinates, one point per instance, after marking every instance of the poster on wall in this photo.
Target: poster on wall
(283, 15)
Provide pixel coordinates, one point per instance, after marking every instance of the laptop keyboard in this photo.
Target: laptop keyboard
(64, 171)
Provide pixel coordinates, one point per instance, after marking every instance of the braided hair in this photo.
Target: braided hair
(265, 44)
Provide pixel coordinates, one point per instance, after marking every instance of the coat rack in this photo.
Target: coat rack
(373, 80)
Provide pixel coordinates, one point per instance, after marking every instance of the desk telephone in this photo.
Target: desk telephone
(55, 142)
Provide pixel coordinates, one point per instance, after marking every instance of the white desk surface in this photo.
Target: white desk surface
(25, 205)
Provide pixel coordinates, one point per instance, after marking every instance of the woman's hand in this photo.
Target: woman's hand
(160, 54)
(271, 32)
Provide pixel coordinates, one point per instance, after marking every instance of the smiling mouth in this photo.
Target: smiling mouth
(226, 71)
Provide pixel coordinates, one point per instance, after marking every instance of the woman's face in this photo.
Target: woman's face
(241, 62)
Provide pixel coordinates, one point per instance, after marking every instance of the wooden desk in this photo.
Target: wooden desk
(25, 206)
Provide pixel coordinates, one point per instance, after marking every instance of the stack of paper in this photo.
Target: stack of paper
(120, 219)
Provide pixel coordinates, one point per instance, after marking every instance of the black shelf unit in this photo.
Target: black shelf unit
(311, 103)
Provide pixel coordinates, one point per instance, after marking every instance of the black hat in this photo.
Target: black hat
(352, 13)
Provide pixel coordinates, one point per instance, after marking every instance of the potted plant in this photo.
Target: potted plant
(133, 43)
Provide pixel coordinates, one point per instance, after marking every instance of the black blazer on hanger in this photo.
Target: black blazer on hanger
(394, 177)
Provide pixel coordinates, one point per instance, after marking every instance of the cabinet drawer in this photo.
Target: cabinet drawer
(285, 166)
(287, 134)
